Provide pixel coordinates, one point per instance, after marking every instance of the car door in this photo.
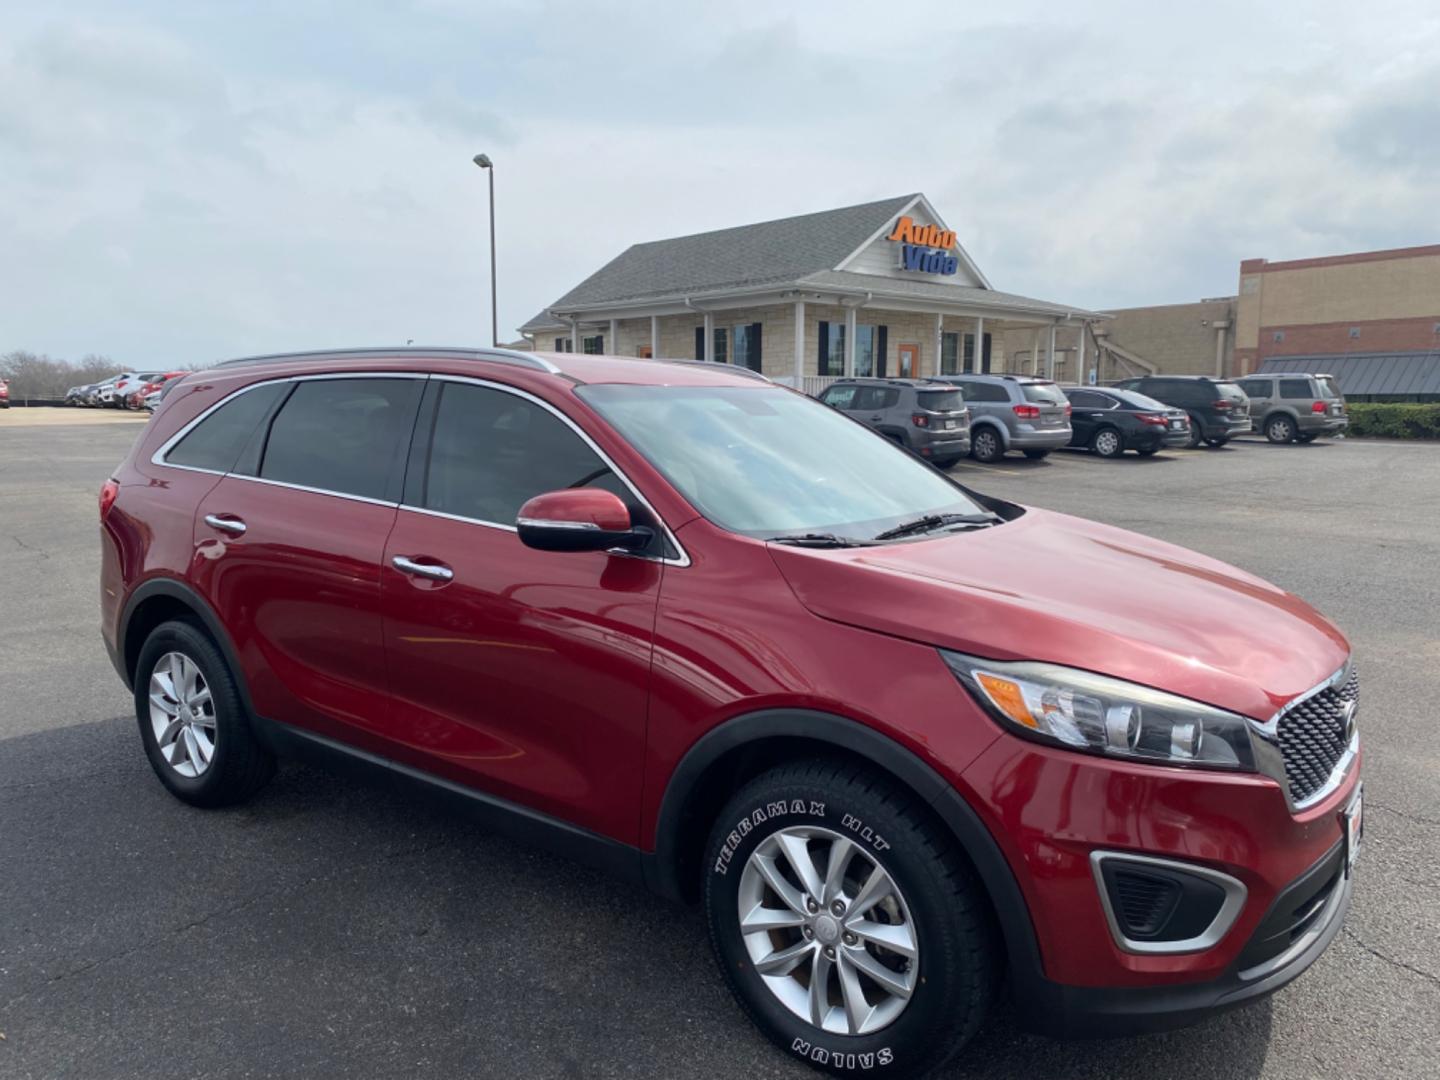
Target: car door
(1261, 393)
(1087, 409)
(523, 673)
(288, 548)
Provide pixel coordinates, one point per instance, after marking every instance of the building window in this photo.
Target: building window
(864, 351)
(969, 356)
(593, 345)
(747, 345)
(1278, 336)
(1354, 332)
(720, 336)
(950, 353)
(562, 344)
(832, 348)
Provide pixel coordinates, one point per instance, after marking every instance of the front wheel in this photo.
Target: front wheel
(846, 921)
(986, 447)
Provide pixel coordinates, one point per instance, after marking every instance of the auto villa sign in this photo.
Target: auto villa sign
(925, 248)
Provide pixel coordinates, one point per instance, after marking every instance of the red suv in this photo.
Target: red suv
(908, 743)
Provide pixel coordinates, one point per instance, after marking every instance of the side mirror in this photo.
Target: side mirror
(579, 519)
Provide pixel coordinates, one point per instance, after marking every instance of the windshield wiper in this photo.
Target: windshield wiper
(931, 522)
(817, 540)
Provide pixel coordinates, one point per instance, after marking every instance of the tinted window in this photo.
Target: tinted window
(978, 391)
(216, 441)
(1327, 387)
(1296, 388)
(1233, 392)
(1043, 393)
(841, 397)
(491, 452)
(1088, 399)
(888, 398)
(1135, 400)
(941, 400)
(343, 435)
(1256, 387)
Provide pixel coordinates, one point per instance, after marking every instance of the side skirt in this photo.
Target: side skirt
(496, 815)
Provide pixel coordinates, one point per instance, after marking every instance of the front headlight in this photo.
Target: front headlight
(1080, 710)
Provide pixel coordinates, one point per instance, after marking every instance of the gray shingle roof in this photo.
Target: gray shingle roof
(933, 290)
(747, 255)
(1365, 374)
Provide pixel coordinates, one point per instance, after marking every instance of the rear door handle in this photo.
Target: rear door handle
(425, 570)
(232, 525)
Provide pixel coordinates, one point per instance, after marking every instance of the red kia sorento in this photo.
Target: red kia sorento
(911, 746)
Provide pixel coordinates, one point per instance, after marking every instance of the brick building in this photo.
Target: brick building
(884, 288)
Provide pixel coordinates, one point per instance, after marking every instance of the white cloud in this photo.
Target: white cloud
(196, 181)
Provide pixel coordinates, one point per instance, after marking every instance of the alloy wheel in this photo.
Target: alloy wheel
(1107, 444)
(828, 931)
(182, 714)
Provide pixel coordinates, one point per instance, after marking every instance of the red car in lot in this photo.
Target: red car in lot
(135, 399)
(4, 393)
(908, 743)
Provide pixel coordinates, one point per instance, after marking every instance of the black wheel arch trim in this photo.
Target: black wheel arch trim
(175, 589)
(662, 868)
(998, 428)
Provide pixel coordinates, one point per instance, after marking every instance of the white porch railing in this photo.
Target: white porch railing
(814, 385)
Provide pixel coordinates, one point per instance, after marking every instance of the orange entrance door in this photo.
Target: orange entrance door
(909, 356)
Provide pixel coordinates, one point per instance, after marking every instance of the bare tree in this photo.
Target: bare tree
(39, 376)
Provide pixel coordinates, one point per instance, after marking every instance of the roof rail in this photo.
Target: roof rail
(498, 356)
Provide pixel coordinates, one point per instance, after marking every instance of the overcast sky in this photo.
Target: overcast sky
(188, 181)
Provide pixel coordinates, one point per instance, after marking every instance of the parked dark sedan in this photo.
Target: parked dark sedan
(1110, 422)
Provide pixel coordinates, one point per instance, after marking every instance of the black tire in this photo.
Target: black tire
(1217, 442)
(1148, 451)
(1037, 455)
(239, 765)
(986, 445)
(1107, 442)
(1280, 429)
(946, 462)
(1306, 437)
(953, 928)
(1197, 435)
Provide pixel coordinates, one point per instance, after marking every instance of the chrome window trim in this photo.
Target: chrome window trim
(549, 523)
(313, 490)
(1270, 761)
(1230, 907)
(684, 557)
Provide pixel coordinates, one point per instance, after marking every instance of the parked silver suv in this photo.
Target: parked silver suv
(1013, 412)
(930, 420)
(1295, 408)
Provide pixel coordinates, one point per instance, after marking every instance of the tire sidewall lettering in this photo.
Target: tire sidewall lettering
(850, 1060)
(780, 808)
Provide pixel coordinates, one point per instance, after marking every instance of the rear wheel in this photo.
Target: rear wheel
(985, 446)
(1036, 455)
(946, 462)
(1305, 438)
(1280, 429)
(1197, 436)
(1217, 442)
(846, 921)
(1148, 451)
(192, 721)
(1107, 443)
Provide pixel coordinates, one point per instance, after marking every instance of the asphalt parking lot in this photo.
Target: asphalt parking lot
(333, 928)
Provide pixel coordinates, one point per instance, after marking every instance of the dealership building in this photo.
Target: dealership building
(884, 288)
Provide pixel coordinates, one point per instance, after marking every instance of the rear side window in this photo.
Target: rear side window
(1232, 391)
(839, 397)
(941, 400)
(1257, 387)
(1327, 387)
(1088, 399)
(1296, 388)
(1043, 393)
(215, 443)
(978, 391)
(492, 451)
(343, 435)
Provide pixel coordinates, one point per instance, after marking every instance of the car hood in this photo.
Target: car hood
(1051, 587)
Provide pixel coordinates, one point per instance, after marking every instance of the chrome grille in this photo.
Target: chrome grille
(1313, 737)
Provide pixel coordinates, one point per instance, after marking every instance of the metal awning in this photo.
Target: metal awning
(1405, 374)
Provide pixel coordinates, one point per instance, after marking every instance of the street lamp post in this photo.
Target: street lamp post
(485, 163)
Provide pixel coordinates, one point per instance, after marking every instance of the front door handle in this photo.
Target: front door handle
(232, 525)
(425, 570)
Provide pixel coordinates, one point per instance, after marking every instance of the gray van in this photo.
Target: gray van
(1013, 412)
(930, 420)
(1295, 408)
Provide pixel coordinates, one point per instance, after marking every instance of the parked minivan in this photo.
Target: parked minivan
(930, 420)
(908, 742)
(1218, 408)
(1295, 407)
(1012, 412)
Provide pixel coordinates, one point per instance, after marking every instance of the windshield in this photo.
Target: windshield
(765, 462)
(1045, 393)
(941, 400)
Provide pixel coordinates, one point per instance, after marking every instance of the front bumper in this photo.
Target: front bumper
(1062, 1011)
